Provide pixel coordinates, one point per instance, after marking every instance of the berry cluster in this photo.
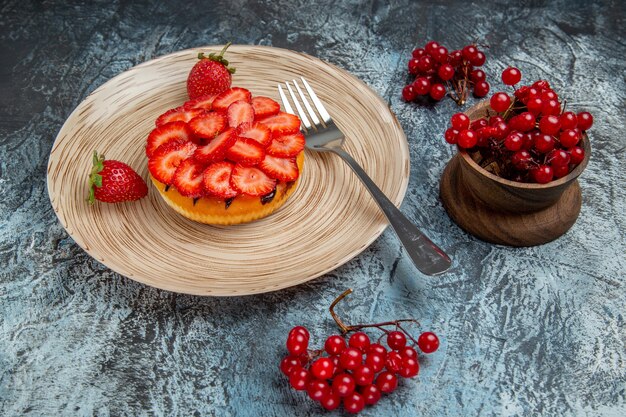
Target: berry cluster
(438, 72)
(354, 373)
(530, 139)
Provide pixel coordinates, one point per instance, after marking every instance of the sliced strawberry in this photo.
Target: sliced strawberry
(203, 102)
(246, 151)
(188, 178)
(264, 106)
(257, 131)
(286, 145)
(216, 180)
(225, 99)
(179, 113)
(163, 164)
(240, 112)
(208, 125)
(281, 169)
(251, 181)
(216, 148)
(282, 123)
(169, 132)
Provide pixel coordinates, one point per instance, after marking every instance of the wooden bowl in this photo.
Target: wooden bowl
(508, 212)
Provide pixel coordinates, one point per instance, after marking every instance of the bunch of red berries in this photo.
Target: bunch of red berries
(438, 72)
(529, 139)
(354, 373)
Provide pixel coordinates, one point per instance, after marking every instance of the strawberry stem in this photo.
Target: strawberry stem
(219, 58)
(95, 179)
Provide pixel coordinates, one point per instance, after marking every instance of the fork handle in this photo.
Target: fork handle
(427, 257)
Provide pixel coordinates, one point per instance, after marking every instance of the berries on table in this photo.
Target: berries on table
(428, 342)
(113, 181)
(511, 76)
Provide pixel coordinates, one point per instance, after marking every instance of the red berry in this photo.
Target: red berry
(300, 329)
(446, 72)
(330, 401)
(513, 141)
(500, 102)
(386, 382)
(585, 120)
(451, 136)
(521, 160)
(393, 362)
(478, 123)
(363, 375)
(371, 394)
(535, 105)
(511, 76)
(437, 91)
(317, 389)
(421, 86)
(210, 75)
(375, 361)
(408, 352)
(558, 157)
(343, 385)
(544, 143)
(297, 344)
(481, 89)
(376, 348)
(425, 64)
(577, 154)
(289, 364)
(551, 107)
(542, 174)
(477, 76)
(428, 342)
(354, 403)
(523, 122)
(560, 170)
(541, 85)
(396, 340)
(299, 379)
(550, 125)
(431, 47)
(440, 54)
(501, 130)
(360, 341)
(410, 367)
(549, 95)
(334, 345)
(408, 93)
(323, 368)
(469, 52)
(350, 358)
(460, 121)
(467, 139)
(494, 120)
(478, 59)
(456, 57)
(569, 120)
(413, 68)
(113, 181)
(569, 138)
(418, 53)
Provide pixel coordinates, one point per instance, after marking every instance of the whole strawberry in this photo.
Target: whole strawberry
(114, 181)
(210, 76)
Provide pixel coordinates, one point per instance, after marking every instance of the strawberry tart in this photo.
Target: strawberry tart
(226, 158)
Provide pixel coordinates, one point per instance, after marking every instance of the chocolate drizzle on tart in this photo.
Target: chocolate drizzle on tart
(228, 202)
(268, 197)
(167, 187)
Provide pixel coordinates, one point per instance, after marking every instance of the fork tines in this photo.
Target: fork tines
(310, 119)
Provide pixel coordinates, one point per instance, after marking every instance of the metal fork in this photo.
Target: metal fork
(325, 136)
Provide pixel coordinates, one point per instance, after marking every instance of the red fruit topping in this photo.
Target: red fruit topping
(208, 125)
(264, 106)
(228, 97)
(287, 145)
(500, 102)
(166, 159)
(359, 340)
(396, 340)
(543, 174)
(317, 389)
(323, 368)
(371, 394)
(216, 148)
(204, 102)
(334, 345)
(188, 178)
(354, 403)
(282, 123)
(246, 151)
(585, 120)
(113, 181)
(178, 114)
(511, 76)
(428, 342)
(216, 180)
(210, 75)
(386, 382)
(281, 169)
(256, 131)
(252, 181)
(167, 133)
(460, 121)
(240, 112)
(343, 385)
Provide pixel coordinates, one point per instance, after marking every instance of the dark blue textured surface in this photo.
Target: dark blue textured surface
(535, 331)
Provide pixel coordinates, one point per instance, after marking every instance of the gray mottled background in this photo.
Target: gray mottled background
(535, 331)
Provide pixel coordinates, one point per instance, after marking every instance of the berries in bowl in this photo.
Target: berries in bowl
(514, 179)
